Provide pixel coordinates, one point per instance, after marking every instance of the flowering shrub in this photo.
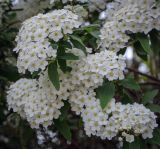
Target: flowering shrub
(75, 63)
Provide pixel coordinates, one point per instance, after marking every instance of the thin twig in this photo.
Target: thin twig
(151, 83)
(143, 74)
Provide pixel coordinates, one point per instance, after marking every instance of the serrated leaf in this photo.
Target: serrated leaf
(53, 74)
(77, 42)
(143, 39)
(148, 96)
(154, 108)
(130, 83)
(69, 56)
(105, 93)
(63, 128)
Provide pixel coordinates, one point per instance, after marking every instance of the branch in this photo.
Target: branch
(151, 83)
(143, 74)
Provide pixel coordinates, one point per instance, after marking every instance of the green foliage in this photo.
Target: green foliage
(148, 96)
(154, 107)
(77, 42)
(155, 43)
(138, 143)
(105, 93)
(127, 98)
(135, 144)
(62, 124)
(130, 83)
(93, 30)
(156, 137)
(9, 72)
(144, 40)
(140, 52)
(63, 128)
(53, 74)
(63, 65)
(68, 56)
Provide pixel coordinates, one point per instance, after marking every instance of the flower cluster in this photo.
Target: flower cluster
(127, 17)
(18, 91)
(106, 63)
(116, 120)
(38, 101)
(33, 41)
(78, 10)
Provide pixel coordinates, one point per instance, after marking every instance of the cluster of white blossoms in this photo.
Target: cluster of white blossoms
(34, 101)
(78, 10)
(115, 121)
(17, 93)
(38, 101)
(33, 41)
(124, 17)
(106, 63)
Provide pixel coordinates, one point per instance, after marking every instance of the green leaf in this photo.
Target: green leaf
(91, 27)
(154, 108)
(130, 83)
(63, 65)
(53, 74)
(9, 72)
(156, 137)
(149, 96)
(77, 42)
(155, 41)
(63, 128)
(143, 39)
(69, 56)
(105, 93)
(53, 44)
(95, 34)
(135, 144)
(64, 111)
(11, 16)
(61, 123)
(126, 98)
(140, 52)
(65, 44)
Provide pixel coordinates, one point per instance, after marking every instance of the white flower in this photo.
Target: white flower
(33, 41)
(125, 17)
